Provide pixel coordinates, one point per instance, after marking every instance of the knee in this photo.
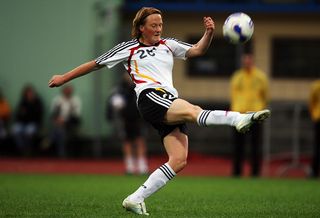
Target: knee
(178, 163)
(193, 111)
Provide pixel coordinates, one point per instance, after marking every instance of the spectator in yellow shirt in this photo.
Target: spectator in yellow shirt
(314, 107)
(249, 92)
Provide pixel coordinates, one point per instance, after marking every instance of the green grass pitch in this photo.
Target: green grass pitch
(25, 195)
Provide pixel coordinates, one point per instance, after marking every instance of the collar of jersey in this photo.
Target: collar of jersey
(144, 45)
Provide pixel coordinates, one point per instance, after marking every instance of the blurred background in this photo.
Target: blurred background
(40, 38)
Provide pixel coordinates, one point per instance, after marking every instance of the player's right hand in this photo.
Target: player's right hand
(56, 81)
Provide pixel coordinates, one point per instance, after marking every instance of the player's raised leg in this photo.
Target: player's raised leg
(182, 111)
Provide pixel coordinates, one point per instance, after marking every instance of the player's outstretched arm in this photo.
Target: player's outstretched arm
(202, 46)
(83, 69)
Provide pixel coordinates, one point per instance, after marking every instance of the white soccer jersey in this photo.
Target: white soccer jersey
(148, 66)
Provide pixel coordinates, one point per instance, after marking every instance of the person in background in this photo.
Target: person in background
(149, 60)
(122, 111)
(65, 112)
(28, 120)
(5, 113)
(249, 92)
(314, 108)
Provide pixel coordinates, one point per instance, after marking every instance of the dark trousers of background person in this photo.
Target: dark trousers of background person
(58, 139)
(315, 164)
(254, 139)
(65, 140)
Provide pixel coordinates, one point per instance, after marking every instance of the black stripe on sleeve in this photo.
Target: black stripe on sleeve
(115, 50)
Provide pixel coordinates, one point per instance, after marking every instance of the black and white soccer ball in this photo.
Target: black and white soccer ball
(238, 28)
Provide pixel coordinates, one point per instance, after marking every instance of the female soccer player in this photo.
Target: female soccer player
(148, 58)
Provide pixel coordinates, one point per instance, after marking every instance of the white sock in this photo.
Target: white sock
(217, 117)
(142, 165)
(129, 162)
(155, 181)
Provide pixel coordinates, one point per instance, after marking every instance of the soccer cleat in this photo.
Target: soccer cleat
(138, 208)
(248, 119)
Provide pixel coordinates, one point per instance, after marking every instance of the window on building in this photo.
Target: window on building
(296, 58)
(221, 59)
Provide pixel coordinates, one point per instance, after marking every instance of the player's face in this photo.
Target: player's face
(152, 29)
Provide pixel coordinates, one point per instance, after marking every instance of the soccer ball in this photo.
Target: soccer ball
(238, 28)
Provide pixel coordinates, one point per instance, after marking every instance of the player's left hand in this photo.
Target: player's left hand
(208, 24)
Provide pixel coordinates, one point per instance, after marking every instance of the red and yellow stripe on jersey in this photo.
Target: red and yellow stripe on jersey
(136, 69)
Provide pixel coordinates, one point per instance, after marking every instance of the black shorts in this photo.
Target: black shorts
(153, 105)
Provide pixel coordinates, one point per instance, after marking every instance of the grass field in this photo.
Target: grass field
(101, 196)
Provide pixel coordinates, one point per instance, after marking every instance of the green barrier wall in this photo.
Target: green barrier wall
(40, 38)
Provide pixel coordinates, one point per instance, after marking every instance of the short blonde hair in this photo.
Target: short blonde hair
(140, 18)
